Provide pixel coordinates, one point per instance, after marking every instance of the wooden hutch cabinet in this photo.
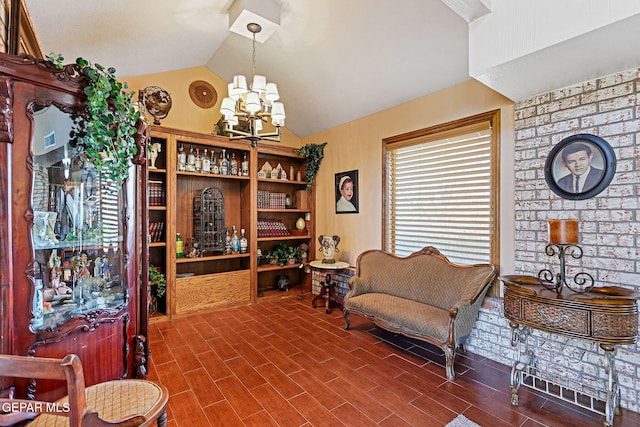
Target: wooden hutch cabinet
(70, 239)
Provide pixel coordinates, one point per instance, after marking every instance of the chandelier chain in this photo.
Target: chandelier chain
(254, 54)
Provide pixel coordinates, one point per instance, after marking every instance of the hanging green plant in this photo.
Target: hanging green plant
(313, 155)
(105, 132)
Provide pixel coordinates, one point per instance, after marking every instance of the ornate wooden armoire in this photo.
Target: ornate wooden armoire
(70, 246)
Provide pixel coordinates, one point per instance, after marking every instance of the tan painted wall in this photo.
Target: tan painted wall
(358, 145)
(184, 113)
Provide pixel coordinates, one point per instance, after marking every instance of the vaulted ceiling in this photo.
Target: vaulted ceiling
(338, 60)
(333, 60)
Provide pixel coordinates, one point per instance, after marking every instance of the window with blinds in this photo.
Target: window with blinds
(441, 190)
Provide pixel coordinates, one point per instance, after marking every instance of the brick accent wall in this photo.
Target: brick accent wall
(608, 107)
(340, 280)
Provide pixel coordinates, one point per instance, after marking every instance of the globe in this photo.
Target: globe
(156, 101)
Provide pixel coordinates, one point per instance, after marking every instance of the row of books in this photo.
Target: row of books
(272, 228)
(156, 230)
(269, 200)
(156, 193)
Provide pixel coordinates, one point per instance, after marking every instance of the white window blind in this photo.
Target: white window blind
(439, 192)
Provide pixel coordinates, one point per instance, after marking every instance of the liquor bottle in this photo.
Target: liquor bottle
(182, 158)
(245, 165)
(233, 165)
(227, 241)
(243, 242)
(191, 160)
(214, 163)
(206, 162)
(235, 240)
(224, 163)
(198, 162)
(179, 246)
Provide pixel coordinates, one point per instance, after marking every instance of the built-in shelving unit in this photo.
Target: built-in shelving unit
(213, 279)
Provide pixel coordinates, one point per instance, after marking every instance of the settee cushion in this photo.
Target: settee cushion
(406, 316)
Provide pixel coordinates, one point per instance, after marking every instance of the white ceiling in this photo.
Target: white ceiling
(333, 60)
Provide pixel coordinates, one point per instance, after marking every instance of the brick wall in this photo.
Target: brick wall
(340, 280)
(608, 107)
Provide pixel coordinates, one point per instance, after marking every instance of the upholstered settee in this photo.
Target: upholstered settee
(423, 296)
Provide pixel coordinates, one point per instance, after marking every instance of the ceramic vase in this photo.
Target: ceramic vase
(329, 247)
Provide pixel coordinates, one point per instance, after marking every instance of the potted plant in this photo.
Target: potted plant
(285, 254)
(157, 287)
(313, 155)
(105, 132)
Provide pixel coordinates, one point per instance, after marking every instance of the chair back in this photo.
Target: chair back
(68, 369)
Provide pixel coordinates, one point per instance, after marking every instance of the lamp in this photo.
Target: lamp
(246, 108)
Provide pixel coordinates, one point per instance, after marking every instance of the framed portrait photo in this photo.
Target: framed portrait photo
(346, 184)
(580, 166)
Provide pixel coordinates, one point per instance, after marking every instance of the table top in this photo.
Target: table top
(338, 265)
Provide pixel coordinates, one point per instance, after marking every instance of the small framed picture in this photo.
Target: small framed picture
(347, 192)
(580, 166)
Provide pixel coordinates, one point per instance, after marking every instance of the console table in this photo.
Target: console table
(606, 315)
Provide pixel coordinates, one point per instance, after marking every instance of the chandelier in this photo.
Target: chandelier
(245, 109)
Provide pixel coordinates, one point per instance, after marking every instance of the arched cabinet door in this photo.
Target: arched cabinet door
(70, 248)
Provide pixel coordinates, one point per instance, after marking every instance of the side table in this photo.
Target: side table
(328, 289)
(605, 315)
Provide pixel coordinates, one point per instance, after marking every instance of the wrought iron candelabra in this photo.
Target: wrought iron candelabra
(582, 281)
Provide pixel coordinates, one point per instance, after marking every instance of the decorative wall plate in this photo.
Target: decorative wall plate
(203, 94)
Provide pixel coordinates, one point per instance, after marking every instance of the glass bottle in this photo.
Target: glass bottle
(182, 158)
(235, 240)
(198, 162)
(179, 246)
(206, 162)
(214, 163)
(243, 242)
(245, 165)
(191, 160)
(224, 163)
(233, 165)
(227, 241)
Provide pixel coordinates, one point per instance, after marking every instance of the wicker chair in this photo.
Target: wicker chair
(121, 403)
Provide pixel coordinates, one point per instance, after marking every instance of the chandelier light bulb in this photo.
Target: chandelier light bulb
(228, 107)
(232, 93)
(277, 111)
(239, 84)
(252, 103)
(277, 122)
(272, 92)
(259, 84)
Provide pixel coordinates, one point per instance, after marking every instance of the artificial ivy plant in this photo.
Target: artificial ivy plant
(105, 133)
(313, 155)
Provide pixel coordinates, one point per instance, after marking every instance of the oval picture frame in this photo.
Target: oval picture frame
(580, 166)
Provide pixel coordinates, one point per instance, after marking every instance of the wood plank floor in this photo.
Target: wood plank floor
(283, 363)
